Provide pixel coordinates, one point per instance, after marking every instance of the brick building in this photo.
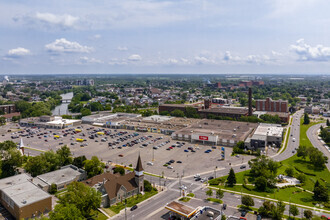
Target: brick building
(7, 109)
(22, 198)
(270, 105)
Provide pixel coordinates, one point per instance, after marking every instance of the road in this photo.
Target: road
(312, 135)
(154, 208)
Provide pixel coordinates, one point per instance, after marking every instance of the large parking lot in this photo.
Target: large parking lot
(124, 146)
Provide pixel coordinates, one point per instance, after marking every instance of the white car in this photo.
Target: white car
(169, 167)
(150, 163)
(197, 175)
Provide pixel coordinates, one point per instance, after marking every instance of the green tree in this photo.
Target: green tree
(317, 158)
(11, 160)
(247, 201)
(308, 214)
(93, 166)
(64, 155)
(266, 208)
(79, 161)
(209, 192)
(67, 212)
(293, 210)
(6, 145)
(302, 151)
(52, 160)
(2, 120)
(320, 192)
(147, 186)
(36, 166)
(85, 112)
(277, 213)
(301, 177)
(53, 188)
(306, 119)
(231, 180)
(289, 171)
(177, 113)
(328, 123)
(85, 198)
(261, 183)
(219, 194)
(120, 170)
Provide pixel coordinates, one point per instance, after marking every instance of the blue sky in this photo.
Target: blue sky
(149, 36)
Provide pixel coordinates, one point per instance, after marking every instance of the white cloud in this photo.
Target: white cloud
(18, 52)
(87, 60)
(65, 20)
(121, 48)
(257, 59)
(307, 52)
(202, 60)
(64, 46)
(228, 57)
(135, 57)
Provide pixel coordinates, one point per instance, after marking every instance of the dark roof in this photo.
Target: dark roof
(178, 105)
(139, 165)
(113, 182)
(230, 110)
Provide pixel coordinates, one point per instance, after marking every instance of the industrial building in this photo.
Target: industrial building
(284, 116)
(265, 135)
(232, 112)
(49, 122)
(61, 178)
(215, 132)
(270, 105)
(171, 107)
(22, 198)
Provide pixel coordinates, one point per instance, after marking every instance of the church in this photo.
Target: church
(116, 188)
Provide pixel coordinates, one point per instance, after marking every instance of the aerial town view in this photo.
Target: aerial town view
(164, 110)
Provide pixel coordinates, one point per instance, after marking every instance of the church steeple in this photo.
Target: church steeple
(139, 167)
(139, 177)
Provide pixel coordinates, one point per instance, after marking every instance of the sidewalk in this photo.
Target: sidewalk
(274, 200)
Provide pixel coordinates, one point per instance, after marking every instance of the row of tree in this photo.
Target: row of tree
(315, 156)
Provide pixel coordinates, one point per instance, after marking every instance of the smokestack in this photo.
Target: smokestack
(250, 101)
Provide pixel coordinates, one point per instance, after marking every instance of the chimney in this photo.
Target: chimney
(250, 101)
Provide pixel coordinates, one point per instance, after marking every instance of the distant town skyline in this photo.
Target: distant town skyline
(149, 36)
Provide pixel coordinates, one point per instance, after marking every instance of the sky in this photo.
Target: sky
(164, 36)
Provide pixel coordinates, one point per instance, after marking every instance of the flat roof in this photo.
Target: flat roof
(181, 209)
(63, 175)
(269, 130)
(21, 190)
(222, 128)
(180, 105)
(226, 110)
(63, 121)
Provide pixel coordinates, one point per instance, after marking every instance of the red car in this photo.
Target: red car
(120, 155)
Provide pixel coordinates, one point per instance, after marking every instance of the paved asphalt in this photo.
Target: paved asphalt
(313, 137)
(154, 208)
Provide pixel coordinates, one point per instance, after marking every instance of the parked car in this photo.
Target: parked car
(242, 167)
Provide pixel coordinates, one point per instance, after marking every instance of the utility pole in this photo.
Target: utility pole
(125, 209)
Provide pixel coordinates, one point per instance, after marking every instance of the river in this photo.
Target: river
(62, 109)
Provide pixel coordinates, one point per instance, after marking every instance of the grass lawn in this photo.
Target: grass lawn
(303, 135)
(132, 201)
(287, 138)
(303, 198)
(184, 199)
(191, 195)
(214, 200)
(109, 212)
(97, 215)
